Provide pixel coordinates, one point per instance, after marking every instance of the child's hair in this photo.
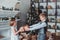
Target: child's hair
(12, 19)
(43, 14)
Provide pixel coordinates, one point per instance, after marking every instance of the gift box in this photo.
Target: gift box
(48, 33)
(57, 33)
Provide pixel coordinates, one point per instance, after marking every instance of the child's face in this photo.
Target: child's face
(42, 18)
(11, 23)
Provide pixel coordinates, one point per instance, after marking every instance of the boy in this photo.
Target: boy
(41, 26)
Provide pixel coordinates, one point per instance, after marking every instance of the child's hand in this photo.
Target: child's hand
(15, 33)
(21, 29)
(26, 28)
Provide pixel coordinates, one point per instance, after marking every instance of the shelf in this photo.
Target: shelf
(58, 3)
(6, 38)
(51, 22)
(51, 15)
(58, 30)
(51, 2)
(58, 22)
(4, 13)
(46, 2)
(58, 15)
(8, 11)
(42, 2)
(54, 29)
(5, 27)
(49, 9)
(51, 30)
(53, 8)
(58, 8)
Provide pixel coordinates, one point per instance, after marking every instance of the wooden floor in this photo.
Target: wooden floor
(55, 38)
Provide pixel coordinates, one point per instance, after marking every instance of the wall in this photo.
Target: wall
(25, 4)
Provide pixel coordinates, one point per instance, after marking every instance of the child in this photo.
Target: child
(41, 26)
(13, 29)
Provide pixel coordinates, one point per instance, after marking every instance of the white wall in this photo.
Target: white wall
(25, 4)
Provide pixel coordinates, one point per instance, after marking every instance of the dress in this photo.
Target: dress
(14, 37)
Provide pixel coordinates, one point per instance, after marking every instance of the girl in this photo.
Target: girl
(13, 29)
